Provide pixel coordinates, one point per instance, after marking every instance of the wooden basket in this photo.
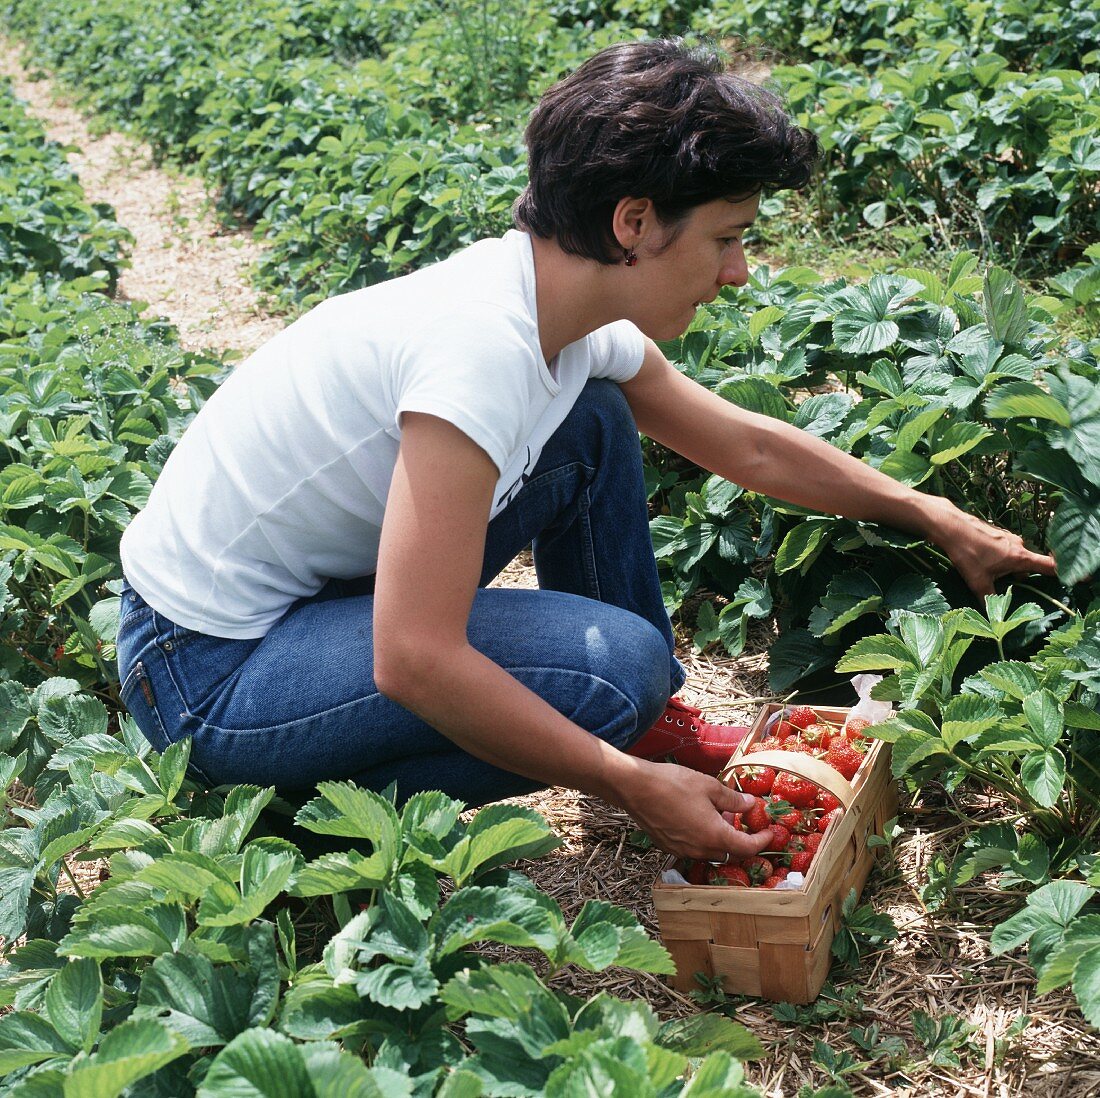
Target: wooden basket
(777, 945)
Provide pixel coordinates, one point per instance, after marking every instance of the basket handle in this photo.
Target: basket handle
(801, 765)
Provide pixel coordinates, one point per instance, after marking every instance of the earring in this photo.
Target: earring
(630, 257)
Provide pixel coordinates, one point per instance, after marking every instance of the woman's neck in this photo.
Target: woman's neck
(574, 296)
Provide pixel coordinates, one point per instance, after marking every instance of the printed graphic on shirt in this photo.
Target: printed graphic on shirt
(517, 484)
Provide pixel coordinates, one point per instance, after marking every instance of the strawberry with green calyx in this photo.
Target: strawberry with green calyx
(759, 869)
(764, 813)
(757, 781)
(729, 875)
(818, 735)
(781, 836)
(844, 757)
(794, 821)
(800, 792)
(800, 861)
(802, 716)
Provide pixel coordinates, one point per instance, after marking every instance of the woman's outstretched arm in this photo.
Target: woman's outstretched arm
(776, 459)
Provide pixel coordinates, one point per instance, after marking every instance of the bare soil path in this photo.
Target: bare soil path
(186, 265)
(194, 271)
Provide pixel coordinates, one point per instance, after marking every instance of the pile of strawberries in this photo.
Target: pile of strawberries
(794, 809)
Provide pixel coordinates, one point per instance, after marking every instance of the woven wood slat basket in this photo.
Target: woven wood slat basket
(777, 945)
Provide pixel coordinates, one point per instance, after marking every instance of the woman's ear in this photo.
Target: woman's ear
(632, 221)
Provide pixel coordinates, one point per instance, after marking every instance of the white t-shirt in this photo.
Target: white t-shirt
(280, 481)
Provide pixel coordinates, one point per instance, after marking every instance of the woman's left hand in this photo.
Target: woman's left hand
(983, 553)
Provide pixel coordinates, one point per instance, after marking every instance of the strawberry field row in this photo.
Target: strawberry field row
(363, 144)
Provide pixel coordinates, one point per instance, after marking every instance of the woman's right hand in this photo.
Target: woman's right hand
(681, 811)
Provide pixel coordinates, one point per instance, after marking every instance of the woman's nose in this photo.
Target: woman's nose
(735, 271)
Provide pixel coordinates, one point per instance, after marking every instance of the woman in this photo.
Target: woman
(306, 589)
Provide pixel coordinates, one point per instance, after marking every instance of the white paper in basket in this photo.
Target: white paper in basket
(867, 707)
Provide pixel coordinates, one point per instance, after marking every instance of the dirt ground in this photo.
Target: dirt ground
(195, 272)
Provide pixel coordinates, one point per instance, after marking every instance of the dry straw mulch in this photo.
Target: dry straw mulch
(194, 271)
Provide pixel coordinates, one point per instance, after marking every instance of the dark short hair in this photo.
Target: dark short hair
(658, 119)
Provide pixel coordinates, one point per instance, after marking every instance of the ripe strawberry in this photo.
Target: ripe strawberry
(800, 861)
(794, 744)
(734, 820)
(759, 869)
(818, 735)
(826, 801)
(854, 729)
(756, 780)
(800, 792)
(729, 875)
(812, 841)
(827, 819)
(793, 821)
(779, 875)
(844, 757)
(802, 716)
(784, 729)
(698, 873)
(757, 818)
(781, 836)
(770, 744)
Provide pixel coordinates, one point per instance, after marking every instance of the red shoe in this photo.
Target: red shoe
(684, 737)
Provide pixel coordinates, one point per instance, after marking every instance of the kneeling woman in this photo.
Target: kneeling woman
(306, 590)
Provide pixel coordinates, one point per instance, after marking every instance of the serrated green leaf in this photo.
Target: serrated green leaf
(880, 652)
(74, 1003)
(259, 1063)
(1044, 714)
(27, 1038)
(129, 1052)
(702, 1034)
(1044, 776)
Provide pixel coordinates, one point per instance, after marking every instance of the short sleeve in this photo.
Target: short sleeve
(616, 351)
(475, 370)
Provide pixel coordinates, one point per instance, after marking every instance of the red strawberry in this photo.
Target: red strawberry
(729, 875)
(759, 869)
(844, 757)
(797, 745)
(756, 780)
(826, 801)
(812, 841)
(781, 836)
(757, 818)
(771, 744)
(801, 792)
(793, 821)
(818, 735)
(779, 875)
(828, 818)
(802, 716)
(698, 873)
(800, 861)
(784, 730)
(854, 729)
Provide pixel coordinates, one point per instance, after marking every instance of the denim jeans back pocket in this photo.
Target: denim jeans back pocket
(140, 701)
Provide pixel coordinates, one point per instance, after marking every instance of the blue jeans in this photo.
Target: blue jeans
(299, 705)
